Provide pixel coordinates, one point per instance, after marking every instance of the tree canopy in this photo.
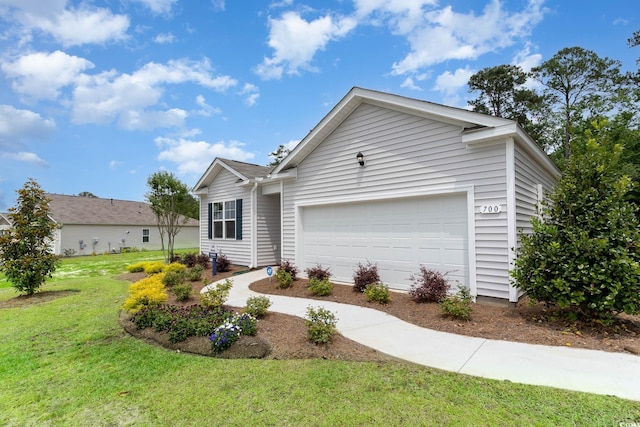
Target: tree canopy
(168, 197)
(26, 255)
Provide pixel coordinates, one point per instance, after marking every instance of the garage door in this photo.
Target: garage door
(398, 235)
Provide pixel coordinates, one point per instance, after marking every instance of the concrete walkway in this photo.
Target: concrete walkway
(591, 371)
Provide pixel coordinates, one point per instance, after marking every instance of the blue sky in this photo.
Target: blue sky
(98, 95)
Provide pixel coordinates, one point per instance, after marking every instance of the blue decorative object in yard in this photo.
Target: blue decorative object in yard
(214, 262)
(269, 271)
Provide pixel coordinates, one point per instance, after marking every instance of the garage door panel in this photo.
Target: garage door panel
(397, 235)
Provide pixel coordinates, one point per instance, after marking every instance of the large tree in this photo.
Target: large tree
(581, 85)
(278, 155)
(168, 197)
(26, 256)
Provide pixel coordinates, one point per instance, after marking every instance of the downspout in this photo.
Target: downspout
(254, 226)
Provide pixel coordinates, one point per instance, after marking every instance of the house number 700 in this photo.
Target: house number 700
(490, 209)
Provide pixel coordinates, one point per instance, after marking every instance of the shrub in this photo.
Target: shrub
(284, 279)
(365, 275)
(289, 268)
(257, 306)
(584, 251)
(428, 286)
(321, 325)
(175, 266)
(247, 323)
(458, 305)
(320, 287)
(182, 291)
(377, 292)
(217, 295)
(318, 272)
(173, 278)
(144, 293)
(222, 263)
(152, 268)
(224, 336)
(189, 259)
(136, 268)
(203, 260)
(195, 273)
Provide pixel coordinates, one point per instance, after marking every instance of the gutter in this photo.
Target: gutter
(254, 226)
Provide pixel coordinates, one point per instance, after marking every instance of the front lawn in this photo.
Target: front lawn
(67, 362)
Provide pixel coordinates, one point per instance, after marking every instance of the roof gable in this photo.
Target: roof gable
(244, 171)
(465, 119)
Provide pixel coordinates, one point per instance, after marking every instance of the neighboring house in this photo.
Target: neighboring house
(396, 181)
(4, 222)
(88, 225)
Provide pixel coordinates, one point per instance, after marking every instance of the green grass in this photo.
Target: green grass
(67, 362)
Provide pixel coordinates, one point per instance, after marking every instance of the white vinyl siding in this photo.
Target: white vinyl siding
(407, 153)
(268, 224)
(225, 188)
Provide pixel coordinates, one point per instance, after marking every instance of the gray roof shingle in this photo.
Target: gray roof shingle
(249, 170)
(98, 211)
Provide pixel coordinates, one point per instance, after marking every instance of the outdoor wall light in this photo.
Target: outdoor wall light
(360, 158)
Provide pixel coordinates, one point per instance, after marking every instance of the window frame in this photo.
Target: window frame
(224, 219)
(146, 235)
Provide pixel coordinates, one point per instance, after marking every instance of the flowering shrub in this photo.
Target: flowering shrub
(247, 323)
(136, 268)
(429, 286)
(321, 325)
(146, 292)
(257, 306)
(365, 275)
(175, 266)
(216, 296)
(224, 336)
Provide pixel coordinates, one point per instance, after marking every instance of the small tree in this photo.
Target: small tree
(26, 257)
(584, 252)
(168, 196)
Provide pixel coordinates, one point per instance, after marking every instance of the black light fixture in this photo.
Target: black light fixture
(360, 158)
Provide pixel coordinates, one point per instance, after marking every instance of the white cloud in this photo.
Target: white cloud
(292, 144)
(20, 124)
(437, 35)
(41, 75)
(296, 41)
(159, 6)
(205, 110)
(252, 94)
(450, 84)
(25, 157)
(108, 96)
(192, 157)
(164, 38)
(73, 27)
(115, 164)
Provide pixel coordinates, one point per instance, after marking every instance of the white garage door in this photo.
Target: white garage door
(398, 235)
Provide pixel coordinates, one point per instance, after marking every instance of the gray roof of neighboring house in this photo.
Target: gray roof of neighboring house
(249, 170)
(98, 211)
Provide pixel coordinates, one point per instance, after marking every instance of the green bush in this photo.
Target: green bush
(257, 306)
(195, 273)
(287, 266)
(248, 324)
(223, 264)
(182, 291)
(584, 252)
(321, 325)
(458, 305)
(365, 275)
(216, 295)
(320, 287)
(378, 292)
(284, 279)
(173, 278)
